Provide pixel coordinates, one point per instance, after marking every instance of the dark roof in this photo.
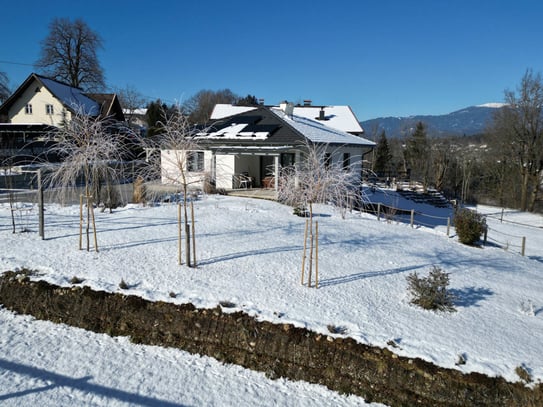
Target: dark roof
(260, 120)
(269, 126)
(109, 105)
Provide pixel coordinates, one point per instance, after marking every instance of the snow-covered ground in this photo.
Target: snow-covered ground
(249, 253)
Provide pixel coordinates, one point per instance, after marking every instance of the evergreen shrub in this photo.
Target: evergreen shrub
(470, 226)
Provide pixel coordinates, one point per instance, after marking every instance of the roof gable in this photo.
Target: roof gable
(71, 98)
(110, 106)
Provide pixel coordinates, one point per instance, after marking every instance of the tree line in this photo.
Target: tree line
(503, 166)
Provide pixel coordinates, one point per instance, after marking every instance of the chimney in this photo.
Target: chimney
(321, 114)
(261, 101)
(307, 102)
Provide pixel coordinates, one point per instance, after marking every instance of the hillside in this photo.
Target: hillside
(249, 255)
(469, 121)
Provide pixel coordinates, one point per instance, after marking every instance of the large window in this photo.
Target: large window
(28, 108)
(195, 161)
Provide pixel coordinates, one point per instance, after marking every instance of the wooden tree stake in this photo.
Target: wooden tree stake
(317, 254)
(305, 249)
(193, 234)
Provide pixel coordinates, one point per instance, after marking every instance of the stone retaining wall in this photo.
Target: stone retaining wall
(279, 350)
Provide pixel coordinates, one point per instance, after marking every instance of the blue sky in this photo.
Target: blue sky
(383, 58)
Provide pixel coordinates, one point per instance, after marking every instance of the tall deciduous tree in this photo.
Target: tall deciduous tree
(519, 129)
(4, 89)
(69, 54)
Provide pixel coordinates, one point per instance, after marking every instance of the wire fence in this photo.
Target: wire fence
(509, 242)
(506, 241)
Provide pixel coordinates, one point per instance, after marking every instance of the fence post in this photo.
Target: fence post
(485, 236)
(523, 249)
(412, 217)
(379, 211)
(40, 205)
(448, 226)
(501, 217)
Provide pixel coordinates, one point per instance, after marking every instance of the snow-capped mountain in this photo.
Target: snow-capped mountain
(469, 121)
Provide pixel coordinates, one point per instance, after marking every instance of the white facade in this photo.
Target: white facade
(174, 169)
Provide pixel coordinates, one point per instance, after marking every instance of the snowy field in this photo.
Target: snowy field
(249, 253)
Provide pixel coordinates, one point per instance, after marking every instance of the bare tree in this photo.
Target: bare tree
(131, 100)
(4, 88)
(518, 128)
(90, 155)
(316, 180)
(174, 157)
(69, 54)
(200, 106)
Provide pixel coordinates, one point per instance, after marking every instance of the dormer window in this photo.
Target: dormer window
(49, 109)
(28, 108)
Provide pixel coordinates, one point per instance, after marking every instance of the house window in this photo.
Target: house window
(327, 160)
(28, 108)
(346, 161)
(287, 159)
(49, 109)
(195, 161)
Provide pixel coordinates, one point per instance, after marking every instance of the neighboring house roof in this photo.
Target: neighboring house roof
(109, 105)
(265, 126)
(71, 98)
(222, 110)
(338, 117)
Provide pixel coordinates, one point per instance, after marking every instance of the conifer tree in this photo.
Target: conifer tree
(417, 154)
(383, 156)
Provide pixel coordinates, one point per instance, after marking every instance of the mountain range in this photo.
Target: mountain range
(469, 121)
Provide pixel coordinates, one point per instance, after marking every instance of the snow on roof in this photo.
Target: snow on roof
(71, 97)
(235, 131)
(141, 111)
(222, 110)
(338, 117)
(317, 132)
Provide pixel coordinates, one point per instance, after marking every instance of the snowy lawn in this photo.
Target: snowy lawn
(249, 253)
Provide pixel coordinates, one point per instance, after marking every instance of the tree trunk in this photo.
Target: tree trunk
(524, 189)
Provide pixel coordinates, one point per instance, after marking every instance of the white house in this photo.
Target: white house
(245, 147)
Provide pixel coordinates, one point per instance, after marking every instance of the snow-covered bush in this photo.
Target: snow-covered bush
(469, 225)
(431, 292)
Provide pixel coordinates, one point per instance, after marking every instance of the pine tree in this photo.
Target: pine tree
(383, 156)
(154, 115)
(417, 155)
